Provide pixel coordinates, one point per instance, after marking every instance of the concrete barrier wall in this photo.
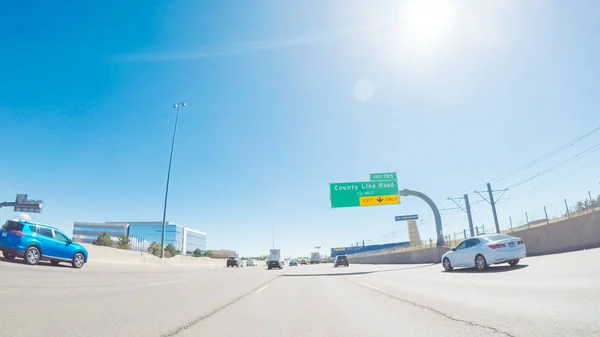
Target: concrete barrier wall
(429, 255)
(99, 254)
(107, 254)
(577, 233)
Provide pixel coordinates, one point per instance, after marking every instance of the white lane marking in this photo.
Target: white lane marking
(164, 282)
(368, 285)
(261, 288)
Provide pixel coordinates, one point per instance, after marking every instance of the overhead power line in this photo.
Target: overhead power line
(577, 156)
(559, 178)
(546, 156)
(535, 161)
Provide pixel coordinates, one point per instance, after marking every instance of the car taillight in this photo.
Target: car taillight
(496, 246)
(17, 233)
(520, 242)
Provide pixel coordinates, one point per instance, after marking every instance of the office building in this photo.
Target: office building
(223, 253)
(88, 232)
(142, 234)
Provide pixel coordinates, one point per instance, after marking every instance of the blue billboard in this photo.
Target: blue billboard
(362, 249)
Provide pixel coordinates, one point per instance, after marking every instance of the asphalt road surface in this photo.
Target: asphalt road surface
(553, 295)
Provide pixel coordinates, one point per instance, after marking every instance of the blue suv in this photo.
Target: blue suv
(34, 242)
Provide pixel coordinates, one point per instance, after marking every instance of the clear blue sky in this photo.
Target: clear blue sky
(285, 98)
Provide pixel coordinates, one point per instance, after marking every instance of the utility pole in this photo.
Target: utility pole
(493, 207)
(469, 217)
(164, 224)
(492, 202)
(467, 210)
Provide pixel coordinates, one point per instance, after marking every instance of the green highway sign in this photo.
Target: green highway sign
(406, 217)
(383, 176)
(366, 193)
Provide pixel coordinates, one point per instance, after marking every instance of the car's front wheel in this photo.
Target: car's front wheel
(32, 255)
(480, 262)
(78, 260)
(447, 265)
(513, 262)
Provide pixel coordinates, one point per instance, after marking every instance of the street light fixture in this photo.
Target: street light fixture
(164, 227)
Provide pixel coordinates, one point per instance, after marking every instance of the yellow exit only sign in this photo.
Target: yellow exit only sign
(379, 200)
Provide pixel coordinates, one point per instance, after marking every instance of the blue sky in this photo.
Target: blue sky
(285, 98)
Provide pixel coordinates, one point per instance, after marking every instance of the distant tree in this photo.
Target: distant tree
(124, 242)
(103, 240)
(197, 253)
(208, 253)
(171, 250)
(587, 204)
(154, 248)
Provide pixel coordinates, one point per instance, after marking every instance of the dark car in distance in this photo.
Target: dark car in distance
(233, 261)
(341, 260)
(274, 264)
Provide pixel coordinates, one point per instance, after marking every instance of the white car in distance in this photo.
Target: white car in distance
(251, 263)
(485, 250)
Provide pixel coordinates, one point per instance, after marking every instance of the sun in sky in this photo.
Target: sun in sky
(423, 24)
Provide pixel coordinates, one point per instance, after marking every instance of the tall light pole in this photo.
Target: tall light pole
(164, 225)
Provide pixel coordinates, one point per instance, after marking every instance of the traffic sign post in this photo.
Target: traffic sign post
(21, 204)
(406, 217)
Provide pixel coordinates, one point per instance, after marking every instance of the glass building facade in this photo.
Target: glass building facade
(142, 234)
(88, 232)
(194, 240)
(148, 232)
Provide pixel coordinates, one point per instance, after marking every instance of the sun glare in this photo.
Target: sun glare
(426, 22)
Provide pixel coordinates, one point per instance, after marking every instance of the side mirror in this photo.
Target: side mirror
(69, 241)
(454, 249)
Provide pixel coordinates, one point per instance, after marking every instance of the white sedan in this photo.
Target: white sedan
(482, 251)
(251, 263)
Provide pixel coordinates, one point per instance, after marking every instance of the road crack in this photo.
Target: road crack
(201, 318)
(441, 313)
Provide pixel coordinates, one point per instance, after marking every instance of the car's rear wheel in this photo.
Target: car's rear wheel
(480, 262)
(32, 255)
(78, 260)
(9, 256)
(447, 265)
(513, 262)
(54, 262)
